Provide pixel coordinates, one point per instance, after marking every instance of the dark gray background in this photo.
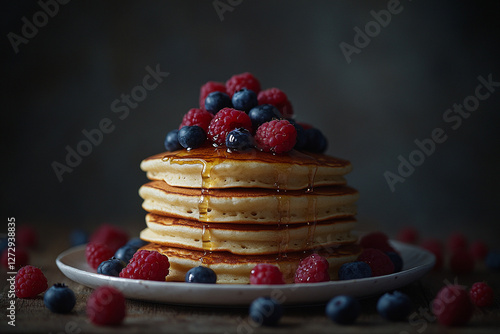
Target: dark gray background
(395, 91)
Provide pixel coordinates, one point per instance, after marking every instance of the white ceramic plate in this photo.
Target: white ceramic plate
(417, 262)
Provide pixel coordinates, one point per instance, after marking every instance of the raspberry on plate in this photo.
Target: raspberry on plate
(147, 265)
(380, 263)
(377, 240)
(266, 274)
(277, 136)
(112, 236)
(106, 306)
(96, 253)
(481, 294)
(210, 87)
(30, 281)
(59, 298)
(277, 98)
(452, 306)
(225, 120)
(198, 117)
(240, 81)
(312, 269)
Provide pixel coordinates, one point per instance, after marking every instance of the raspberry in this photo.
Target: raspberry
(208, 88)
(481, 294)
(198, 117)
(147, 265)
(96, 253)
(461, 262)
(109, 235)
(479, 250)
(240, 81)
(225, 120)
(435, 247)
(277, 136)
(106, 306)
(21, 258)
(312, 269)
(408, 235)
(380, 263)
(377, 240)
(26, 236)
(452, 306)
(30, 281)
(277, 98)
(266, 274)
(456, 241)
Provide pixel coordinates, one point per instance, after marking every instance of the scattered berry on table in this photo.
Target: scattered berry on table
(112, 236)
(481, 294)
(277, 98)
(239, 140)
(191, 137)
(147, 265)
(479, 250)
(493, 260)
(216, 101)
(262, 114)
(397, 260)
(461, 262)
(394, 306)
(312, 269)
(106, 306)
(78, 237)
(26, 236)
(96, 253)
(137, 242)
(354, 270)
(377, 240)
(276, 136)
(244, 99)
(435, 247)
(378, 261)
(59, 298)
(198, 117)
(265, 311)
(264, 273)
(22, 259)
(209, 87)
(452, 306)
(408, 235)
(343, 310)
(225, 121)
(29, 282)
(201, 274)
(240, 81)
(172, 141)
(315, 141)
(456, 241)
(111, 267)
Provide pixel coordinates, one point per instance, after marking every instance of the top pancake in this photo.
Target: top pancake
(210, 168)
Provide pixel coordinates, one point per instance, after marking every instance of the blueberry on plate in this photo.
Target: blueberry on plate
(266, 311)
(262, 114)
(59, 298)
(191, 136)
(215, 101)
(395, 306)
(315, 141)
(201, 274)
(111, 267)
(239, 139)
(301, 135)
(397, 260)
(354, 270)
(137, 242)
(244, 99)
(172, 141)
(343, 310)
(125, 253)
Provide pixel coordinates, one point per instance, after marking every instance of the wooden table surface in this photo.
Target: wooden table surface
(146, 317)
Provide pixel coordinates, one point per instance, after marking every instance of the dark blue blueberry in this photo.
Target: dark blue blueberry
(78, 237)
(493, 260)
(301, 135)
(125, 253)
(343, 310)
(315, 141)
(395, 306)
(172, 141)
(244, 100)
(354, 270)
(215, 101)
(262, 114)
(3, 244)
(239, 139)
(266, 311)
(397, 260)
(137, 242)
(192, 136)
(201, 275)
(59, 298)
(111, 267)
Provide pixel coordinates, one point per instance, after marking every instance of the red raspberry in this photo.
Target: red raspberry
(312, 269)
(148, 265)
(277, 136)
(408, 235)
(452, 306)
(266, 274)
(111, 236)
(26, 236)
(481, 294)
(479, 250)
(456, 241)
(277, 98)
(461, 262)
(106, 306)
(198, 117)
(435, 247)
(96, 253)
(240, 81)
(208, 88)
(378, 261)
(225, 120)
(20, 257)
(30, 281)
(377, 240)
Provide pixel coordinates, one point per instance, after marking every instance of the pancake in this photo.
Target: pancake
(246, 239)
(249, 205)
(231, 268)
(210, 168)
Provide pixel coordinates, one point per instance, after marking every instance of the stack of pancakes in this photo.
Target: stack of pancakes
(231, 211)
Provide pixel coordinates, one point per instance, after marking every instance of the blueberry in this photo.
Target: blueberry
(301, 135)
(396, 260)
(265, 311)
(353, 270)
(172, 141)
(493, 260)
(394, 306)
(262, 114)
(343, 310)
(137, 242)
(191, 136)
(78, 237)
(3, 244)
(125, 253)
(215, 101)
(59, 298)
(315, 141)
(244, 100)
(239, 139)
(111, 267)
(201, 275)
